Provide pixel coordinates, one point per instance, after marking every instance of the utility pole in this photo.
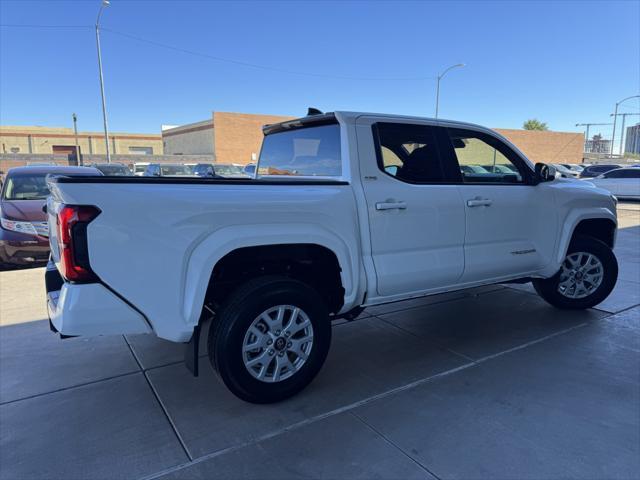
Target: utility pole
(105, 3)
(75, 133)
(438, 84)
(624, 118)
(586, 135)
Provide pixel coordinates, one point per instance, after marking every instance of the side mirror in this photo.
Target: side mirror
(544, 172)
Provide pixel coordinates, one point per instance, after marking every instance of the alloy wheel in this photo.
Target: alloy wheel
(581, 275)
(277, 343)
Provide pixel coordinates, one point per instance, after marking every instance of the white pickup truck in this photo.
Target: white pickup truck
(347, 210)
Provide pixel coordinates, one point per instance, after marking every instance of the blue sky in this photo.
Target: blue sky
(560, 62)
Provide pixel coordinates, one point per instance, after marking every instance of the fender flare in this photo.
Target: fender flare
(208, 252)
(572, 221)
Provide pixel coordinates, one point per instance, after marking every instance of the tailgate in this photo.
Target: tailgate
(52, 210)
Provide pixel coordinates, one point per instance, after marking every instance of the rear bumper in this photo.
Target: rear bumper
(21, 249)
(88, 309)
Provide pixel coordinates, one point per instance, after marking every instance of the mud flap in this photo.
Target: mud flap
(191, 353)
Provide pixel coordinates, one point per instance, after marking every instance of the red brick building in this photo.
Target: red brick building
(236, 138)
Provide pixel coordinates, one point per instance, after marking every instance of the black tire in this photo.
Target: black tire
(548, 288)
(232, 322)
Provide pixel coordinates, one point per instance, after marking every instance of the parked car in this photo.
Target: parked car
(596, 170)
(24, 230)
(501, 169)
(574, 167)
(231, 171)
(113, 169)
(622, 182)
(274, 259)
(219, 170)
(205, 170)
(139, 168)
(471, 169)
(168, 170)
(486, 172)
(566, 172)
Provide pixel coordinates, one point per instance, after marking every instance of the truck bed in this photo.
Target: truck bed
(156, 240)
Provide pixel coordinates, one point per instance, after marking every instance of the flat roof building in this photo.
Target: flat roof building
(230, 137)
(59, 140)
(632, 142)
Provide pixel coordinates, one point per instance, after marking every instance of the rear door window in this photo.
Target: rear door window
(410, 153)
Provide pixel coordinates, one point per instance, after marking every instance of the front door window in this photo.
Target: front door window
(483, 159)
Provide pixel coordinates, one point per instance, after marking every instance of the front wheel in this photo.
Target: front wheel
(270, 339)
(587, 276)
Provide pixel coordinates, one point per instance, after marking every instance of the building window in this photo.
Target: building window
(141, 150)
(15, 149)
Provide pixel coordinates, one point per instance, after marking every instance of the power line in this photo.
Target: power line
(226, 60)
(258, 66)
(26, 25)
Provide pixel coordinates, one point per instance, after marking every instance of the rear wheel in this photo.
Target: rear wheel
(587, 276)
(270, 339)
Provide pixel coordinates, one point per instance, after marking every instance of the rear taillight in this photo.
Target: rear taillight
(72, 221)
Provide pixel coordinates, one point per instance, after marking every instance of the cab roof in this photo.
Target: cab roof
(53, 169)
(351, 117)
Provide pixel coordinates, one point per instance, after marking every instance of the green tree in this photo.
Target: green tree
(535, 124)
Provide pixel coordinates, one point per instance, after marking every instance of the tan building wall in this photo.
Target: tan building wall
(546, 146)
(41, 140)
(238, 136)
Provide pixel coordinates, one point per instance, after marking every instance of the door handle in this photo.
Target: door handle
(391, 206)
(479, 202)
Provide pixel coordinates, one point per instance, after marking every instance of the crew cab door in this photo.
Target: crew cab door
(511, 223)
(415, 212)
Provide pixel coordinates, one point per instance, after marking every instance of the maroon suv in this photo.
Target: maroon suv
(24, 236)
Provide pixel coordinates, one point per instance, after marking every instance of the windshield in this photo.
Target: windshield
(26, 187)
(176, 170)
(138, 168)
(309, 151)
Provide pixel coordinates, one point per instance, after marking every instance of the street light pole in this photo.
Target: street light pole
(105, 3)
(438, 84)
(615, 117)
(75, 132)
